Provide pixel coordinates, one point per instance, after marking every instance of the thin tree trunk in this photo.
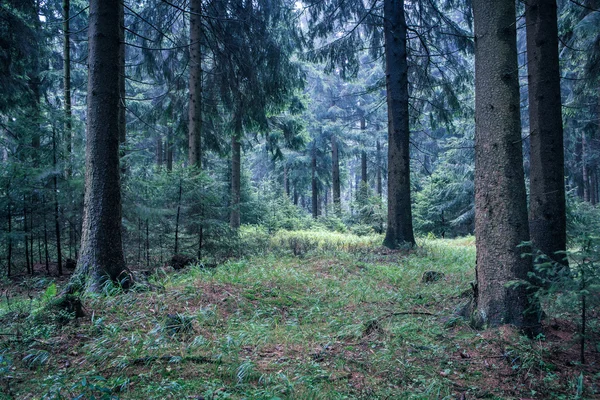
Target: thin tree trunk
(178, 214)
(121, 79)
(547, 207)
(236, 171)
(584, 166)
(195, 89)
(147, 244)
(25, 227)
(101, 253)
(56, 208)
(295, 193)
(67, 82)
(159, 151)
(286, 180)
(10, 247)
(501, 222)
(379, 180)
(170, 147)
(47, 258)
(315, 193)
(399, 227)
(335, 176)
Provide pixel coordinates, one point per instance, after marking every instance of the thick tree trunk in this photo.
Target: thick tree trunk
(315, 191)
(195, 90)
(236, 171)
(547, 208)
(335, 175)
(399, 227)
(500, 202)
(101, 253)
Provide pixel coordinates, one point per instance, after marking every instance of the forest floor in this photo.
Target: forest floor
(324, 325)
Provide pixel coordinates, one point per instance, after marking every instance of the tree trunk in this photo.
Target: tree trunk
(236, 162)
(315, 191)
(584, 167)
(379, 180)
(195, 91)
(25, 227)
(67, 83)
(56, 208)
(159, 152)
(547, 208)
(295, 193)
(500, 202)
(399, 227)
(170, 148)
(10, 247)
(121, 78)
(101, 252)
(176, 249)
(335, 176)
(363, 167)
(286, 180)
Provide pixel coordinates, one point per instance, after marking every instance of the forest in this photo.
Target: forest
(299, 199)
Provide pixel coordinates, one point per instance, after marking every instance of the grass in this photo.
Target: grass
(340, 319)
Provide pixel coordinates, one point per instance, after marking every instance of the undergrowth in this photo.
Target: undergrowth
(311, 316)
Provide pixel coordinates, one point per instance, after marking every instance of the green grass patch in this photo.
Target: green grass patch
(341, 319)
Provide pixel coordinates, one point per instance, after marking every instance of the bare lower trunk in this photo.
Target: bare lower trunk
(335, 175)
(101, 253)
(234, 220)
(399, 227)
(10, 247)
(547, 208)
(379, 180)
(56, 208)
(500, 202)
(315, 193)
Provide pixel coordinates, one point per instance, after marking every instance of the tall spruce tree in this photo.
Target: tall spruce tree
(547, 209)
(101, 255)
(500, 200)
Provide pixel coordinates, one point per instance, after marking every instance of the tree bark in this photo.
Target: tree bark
(56, 208)
(335, 175)
(500, 202)
(236, 171)
(399, 226)
(584, 167)
(547, 208)
(101, 253)
(315, 189)
(379, 177)
(67, 82)
(10, 247)
(121, 78)
(195, 90)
